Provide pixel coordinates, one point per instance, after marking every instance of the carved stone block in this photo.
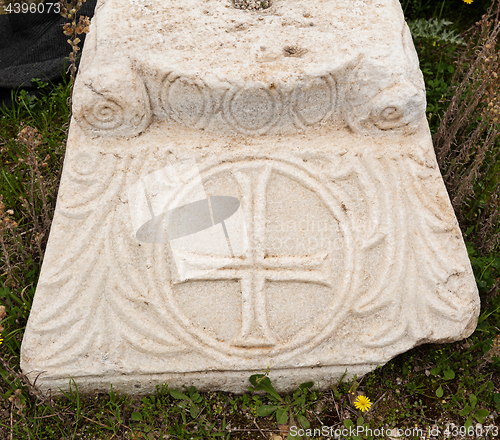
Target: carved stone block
(246, 189)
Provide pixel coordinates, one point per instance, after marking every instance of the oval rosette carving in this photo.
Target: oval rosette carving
(111, 100)
(377, 100)
(186, 100)
(314, 100)
(252, 110)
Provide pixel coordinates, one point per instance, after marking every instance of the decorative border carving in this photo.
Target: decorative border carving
(253, 110)
(369, 97)
(320, 95)
(119, 97)
(193, 108)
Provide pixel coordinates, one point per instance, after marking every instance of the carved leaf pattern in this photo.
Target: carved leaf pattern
(97, 306)
(109, 294)
(413, 293)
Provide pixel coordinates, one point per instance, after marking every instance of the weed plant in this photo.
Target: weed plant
(428, 387)
(467, 142)
(438, 47)
(73, 28)
(32, 142)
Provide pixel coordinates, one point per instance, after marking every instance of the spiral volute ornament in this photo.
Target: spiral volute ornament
(104, 114)
(111, 100)
(377, 99)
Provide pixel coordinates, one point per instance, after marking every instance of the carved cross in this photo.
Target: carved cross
(255, 267)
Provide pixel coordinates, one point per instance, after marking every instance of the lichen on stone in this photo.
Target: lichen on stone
(252, 5)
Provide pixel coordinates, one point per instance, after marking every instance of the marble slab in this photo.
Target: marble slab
(246, 190)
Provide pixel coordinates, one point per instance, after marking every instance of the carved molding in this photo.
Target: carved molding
(187, 101)
(369, 98)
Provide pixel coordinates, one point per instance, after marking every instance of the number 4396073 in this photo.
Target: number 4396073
(23, 8)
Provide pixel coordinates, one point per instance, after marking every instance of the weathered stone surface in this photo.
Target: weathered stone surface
(243, 190)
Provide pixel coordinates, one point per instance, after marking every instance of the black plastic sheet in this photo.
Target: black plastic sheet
(32, 45)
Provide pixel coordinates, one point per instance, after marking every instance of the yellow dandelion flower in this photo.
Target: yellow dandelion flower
(363, 403)
(468, 1)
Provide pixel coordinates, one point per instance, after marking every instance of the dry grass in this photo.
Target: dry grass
(467, 141)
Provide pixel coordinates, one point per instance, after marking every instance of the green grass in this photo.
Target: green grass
(48, 114)
(457, 10)
(429, 385)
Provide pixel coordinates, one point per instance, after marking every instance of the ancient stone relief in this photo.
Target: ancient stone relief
(381, 225)
(370, 96)
(124, 110)
(216, 222)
